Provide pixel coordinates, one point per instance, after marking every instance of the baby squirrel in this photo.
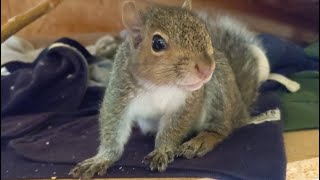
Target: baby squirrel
(178, 73)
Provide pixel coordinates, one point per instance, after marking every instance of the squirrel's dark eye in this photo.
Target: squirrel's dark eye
(158, 43)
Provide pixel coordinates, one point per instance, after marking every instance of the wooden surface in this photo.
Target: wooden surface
(301, 145)
(83, 16)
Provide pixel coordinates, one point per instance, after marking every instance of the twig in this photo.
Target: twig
(18, 22)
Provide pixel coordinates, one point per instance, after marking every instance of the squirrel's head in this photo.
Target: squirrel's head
(169, 45)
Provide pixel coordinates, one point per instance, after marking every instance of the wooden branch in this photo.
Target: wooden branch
(18, 22)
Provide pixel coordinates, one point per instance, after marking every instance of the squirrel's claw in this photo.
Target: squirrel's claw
(88, 168)
(159, 159)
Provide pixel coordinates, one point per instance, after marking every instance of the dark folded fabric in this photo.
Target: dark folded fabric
(253, 152)
(44, 134)
(56, 81)
(242, 156)
(285, 58)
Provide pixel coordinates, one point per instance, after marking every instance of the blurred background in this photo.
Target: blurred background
(297, 20)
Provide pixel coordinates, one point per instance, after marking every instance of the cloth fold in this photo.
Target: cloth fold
(55, 81)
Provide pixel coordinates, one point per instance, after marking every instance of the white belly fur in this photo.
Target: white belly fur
(148, 107)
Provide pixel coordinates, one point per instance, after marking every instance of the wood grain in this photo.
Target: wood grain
(301, 145)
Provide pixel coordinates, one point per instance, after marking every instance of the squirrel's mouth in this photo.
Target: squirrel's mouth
(195, 86)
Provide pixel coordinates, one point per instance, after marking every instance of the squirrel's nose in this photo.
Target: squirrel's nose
(203, 70)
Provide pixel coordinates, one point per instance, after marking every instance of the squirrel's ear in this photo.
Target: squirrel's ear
(187, 4)
(131, 19)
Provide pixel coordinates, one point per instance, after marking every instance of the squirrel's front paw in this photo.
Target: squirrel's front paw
(88, 168)
(199, 145)
(159, 159)
(193, 148)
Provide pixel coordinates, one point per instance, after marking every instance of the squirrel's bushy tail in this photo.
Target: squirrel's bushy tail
(243, 50)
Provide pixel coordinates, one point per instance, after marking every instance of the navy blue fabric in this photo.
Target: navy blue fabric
(285, 58)
(56, 81)
(253, 152)
(51, 134)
